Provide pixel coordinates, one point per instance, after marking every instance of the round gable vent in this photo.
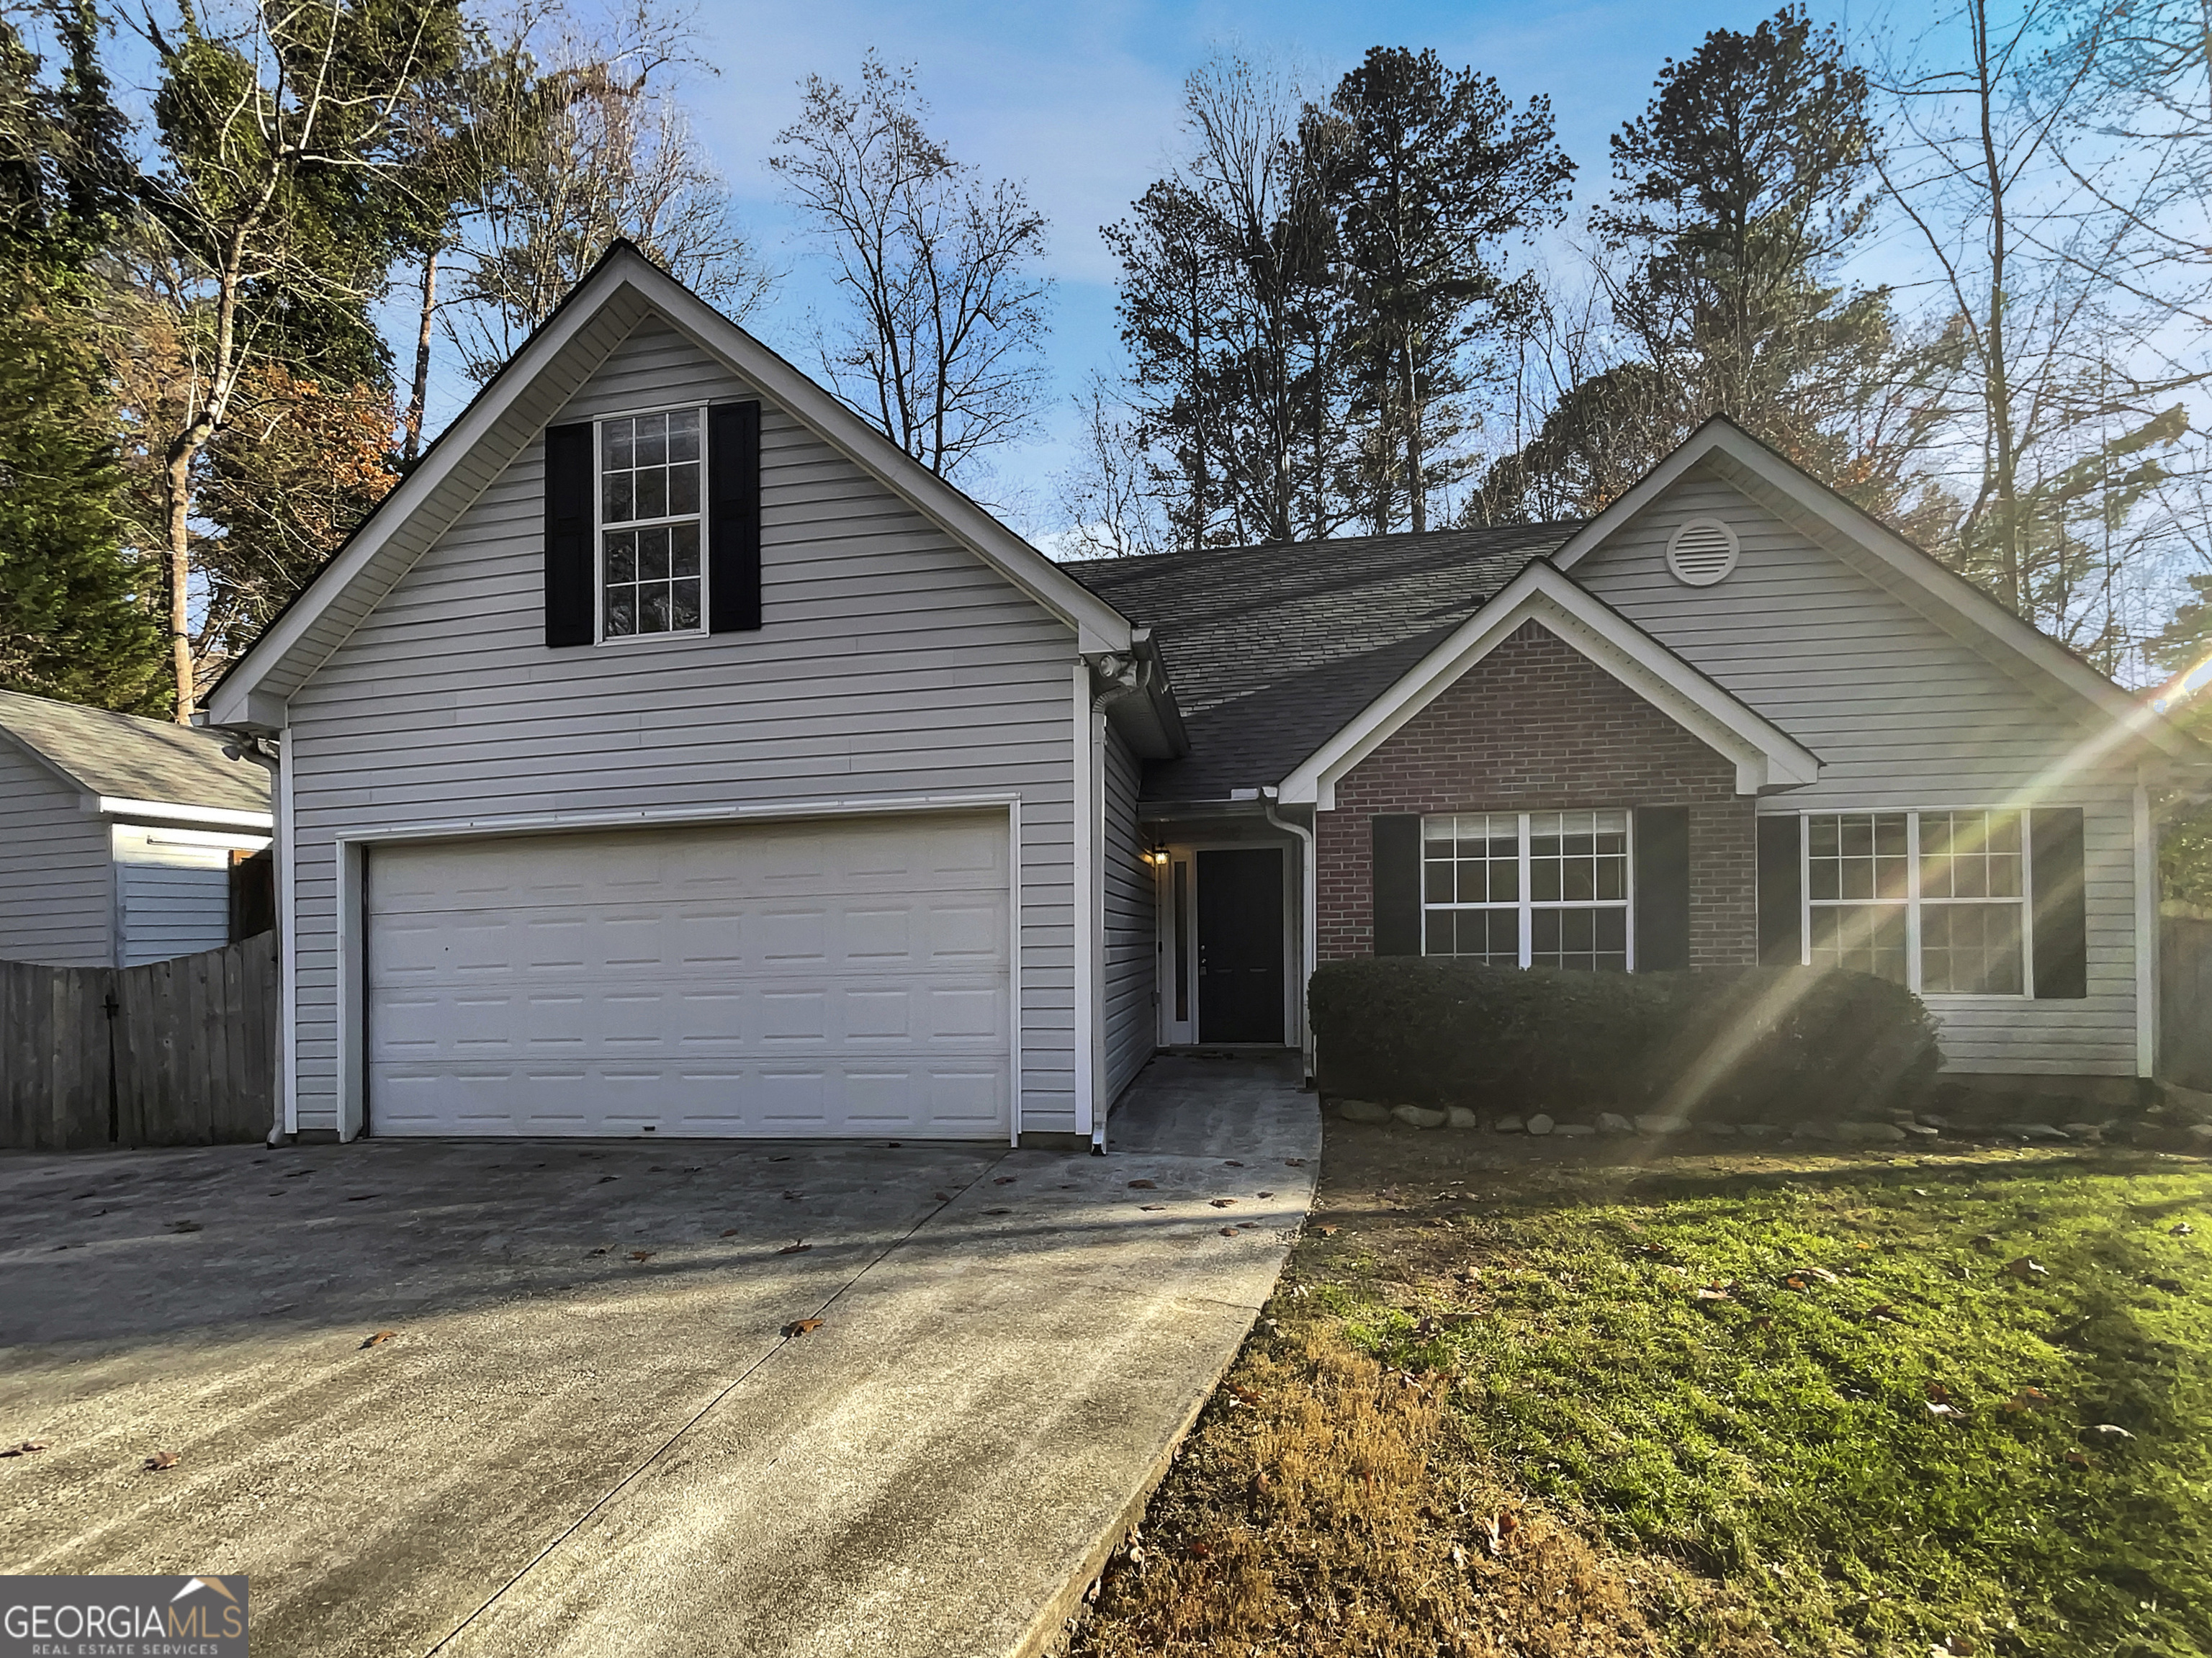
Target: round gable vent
(1703, 551)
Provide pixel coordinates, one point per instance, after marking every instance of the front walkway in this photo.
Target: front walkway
(567, 1450)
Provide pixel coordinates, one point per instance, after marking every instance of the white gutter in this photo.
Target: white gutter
(111, 806)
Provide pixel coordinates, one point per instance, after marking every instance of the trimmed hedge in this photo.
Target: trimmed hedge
(1782, 1045)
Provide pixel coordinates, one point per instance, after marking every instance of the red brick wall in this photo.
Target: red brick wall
(1537, 726)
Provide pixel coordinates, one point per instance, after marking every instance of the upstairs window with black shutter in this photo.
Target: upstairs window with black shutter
(652, 556)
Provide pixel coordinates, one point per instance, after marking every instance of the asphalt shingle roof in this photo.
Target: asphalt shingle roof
(125, 757)
(1271, 649)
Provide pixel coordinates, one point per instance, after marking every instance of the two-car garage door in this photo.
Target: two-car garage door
(827, 977)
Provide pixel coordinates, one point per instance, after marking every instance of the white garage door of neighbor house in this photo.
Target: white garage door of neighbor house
(829, 977)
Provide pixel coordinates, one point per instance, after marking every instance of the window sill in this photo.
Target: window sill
(624, 641)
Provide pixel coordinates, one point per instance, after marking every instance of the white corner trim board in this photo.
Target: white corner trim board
(1765, 756)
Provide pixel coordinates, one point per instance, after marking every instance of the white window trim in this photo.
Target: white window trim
(599, 527)
(1524, 906)
(1913, 901)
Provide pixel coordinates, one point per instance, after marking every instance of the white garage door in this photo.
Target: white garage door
(832, 977)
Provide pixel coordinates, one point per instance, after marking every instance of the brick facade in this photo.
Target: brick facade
(1537, 726)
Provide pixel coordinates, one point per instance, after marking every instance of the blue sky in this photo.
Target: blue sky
(1082, 103)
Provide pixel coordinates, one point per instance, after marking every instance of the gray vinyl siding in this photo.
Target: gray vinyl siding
(1902, 714)
(894, 663)
(173, 891)
(1132, 931)
(57, 891)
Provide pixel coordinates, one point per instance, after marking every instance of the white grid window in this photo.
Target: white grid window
(1542, 888)
(650, 566)
(1934, 900)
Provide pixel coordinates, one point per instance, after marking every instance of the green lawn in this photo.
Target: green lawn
(1776, 1430)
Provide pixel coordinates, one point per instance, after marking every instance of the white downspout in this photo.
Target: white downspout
(1124, 677)
(1308, 924)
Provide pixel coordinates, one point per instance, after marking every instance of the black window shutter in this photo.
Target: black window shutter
(570, 477)
(2061, 922)
(1397, 872)
(1662, 888)
(1781, 913)
(733, 526)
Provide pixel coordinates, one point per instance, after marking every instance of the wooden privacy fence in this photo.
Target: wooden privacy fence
(176, 1053)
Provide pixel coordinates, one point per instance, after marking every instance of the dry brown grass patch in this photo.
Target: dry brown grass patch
(1326, 1506)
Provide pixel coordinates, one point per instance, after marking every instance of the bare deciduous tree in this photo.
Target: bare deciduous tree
(1108, 497)
(586, 150)
(942, 349)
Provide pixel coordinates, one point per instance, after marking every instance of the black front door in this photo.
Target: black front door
(1240, 946)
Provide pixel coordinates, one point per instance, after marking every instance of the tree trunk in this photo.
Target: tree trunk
(1416, 494)
(177, 501)
(1997, 370)
(420, 394)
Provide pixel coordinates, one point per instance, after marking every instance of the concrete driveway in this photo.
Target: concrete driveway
(588, 1433)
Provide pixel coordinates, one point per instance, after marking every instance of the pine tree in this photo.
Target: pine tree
(75, 621)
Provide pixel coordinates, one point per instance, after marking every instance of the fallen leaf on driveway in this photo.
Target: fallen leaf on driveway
(799, 1326)
(161, 1460)
(1221, 1203)
(940, 1197)
(731, 1233)
(1231, 1163)
(184, 1226)
(23, 1448)
(2027, 1267)
(998, 1212)
(1142, 1185)
(1152, 1208)
(1004, 1180)
(380, 1338)
(602, 1249)
(796, 1247)
(1229, 1231)
(794, 1197)
(643, 1255)
(603, 1179)
(363, 1197)
(1267, 1194)
(1294, 1163)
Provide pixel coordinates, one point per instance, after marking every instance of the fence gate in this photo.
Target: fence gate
(176, 1053)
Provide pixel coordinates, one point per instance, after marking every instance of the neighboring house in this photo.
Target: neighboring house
(124, 840)
(671, 754)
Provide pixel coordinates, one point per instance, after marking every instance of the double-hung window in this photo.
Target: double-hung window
(1934, 900)
(1529, 889)
(651, 563)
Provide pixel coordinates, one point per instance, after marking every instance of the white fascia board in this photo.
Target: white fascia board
(1765, 756)
(1744, 460)
(165, 812)
(1098, 625)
